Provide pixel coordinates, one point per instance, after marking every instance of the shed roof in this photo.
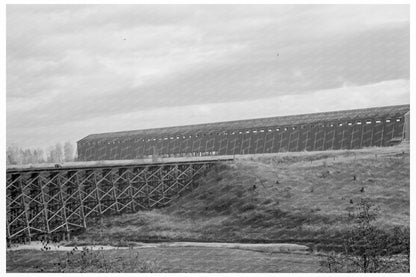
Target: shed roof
(388, 111)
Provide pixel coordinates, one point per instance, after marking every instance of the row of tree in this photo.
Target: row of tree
(53, 154)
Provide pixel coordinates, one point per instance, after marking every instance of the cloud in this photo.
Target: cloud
(70, 64)
(387, 93)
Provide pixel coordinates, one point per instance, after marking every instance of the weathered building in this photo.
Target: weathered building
(349, 129)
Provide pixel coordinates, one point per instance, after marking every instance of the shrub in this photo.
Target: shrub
(367, 248)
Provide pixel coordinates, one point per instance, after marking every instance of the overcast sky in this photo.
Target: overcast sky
(73, 70)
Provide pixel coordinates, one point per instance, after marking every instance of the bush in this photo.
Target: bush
(369, 249)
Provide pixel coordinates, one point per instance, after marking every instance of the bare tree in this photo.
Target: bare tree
(68, 152)
(27, 156)
(367, 248)
(54, 154)
(13, 155)
(50, 153)
(59, 153)
(38, 156)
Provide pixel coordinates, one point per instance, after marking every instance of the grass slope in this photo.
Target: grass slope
(285, 197)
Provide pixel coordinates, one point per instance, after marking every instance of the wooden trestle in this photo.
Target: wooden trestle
(50, 200)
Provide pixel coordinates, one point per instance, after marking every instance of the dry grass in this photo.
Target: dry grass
(164, 259)
(284, 197)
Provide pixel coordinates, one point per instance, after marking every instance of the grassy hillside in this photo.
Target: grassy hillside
(284, 197)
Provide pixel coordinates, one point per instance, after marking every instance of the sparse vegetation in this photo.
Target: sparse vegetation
(367, 248)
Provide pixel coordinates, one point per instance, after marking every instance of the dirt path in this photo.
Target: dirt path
(261, 247)
(175, 258)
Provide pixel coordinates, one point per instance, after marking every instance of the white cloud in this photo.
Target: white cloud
(74, 70)
(387, 93)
